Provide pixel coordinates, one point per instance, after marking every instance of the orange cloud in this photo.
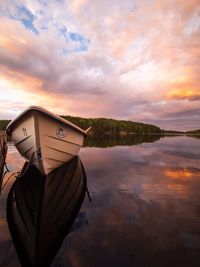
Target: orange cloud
(180, 94)
(139, 57)
(20, 80)
(9, 43)
(185, 84)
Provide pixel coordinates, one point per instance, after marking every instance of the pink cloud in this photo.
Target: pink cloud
(141, 59)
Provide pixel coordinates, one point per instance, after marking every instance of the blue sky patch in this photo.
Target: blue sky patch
(26, 17)
(84, 42)
(74, 37)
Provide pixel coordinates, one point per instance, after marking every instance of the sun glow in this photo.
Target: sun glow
(9, 91)
(183, 94)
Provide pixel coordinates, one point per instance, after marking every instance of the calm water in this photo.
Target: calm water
(145, 209)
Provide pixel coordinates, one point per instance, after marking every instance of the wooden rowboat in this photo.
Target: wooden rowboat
(42, 208)
(50, 138)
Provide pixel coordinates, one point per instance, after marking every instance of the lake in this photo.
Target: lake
(145, 208)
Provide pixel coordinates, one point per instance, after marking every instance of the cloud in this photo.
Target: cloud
(185, 94)
(132, 60)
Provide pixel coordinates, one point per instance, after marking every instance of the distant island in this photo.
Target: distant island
(108, 126)
(172, 132)
(194, 132)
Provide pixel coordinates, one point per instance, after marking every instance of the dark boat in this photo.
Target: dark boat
(41, 210)
(3, 151)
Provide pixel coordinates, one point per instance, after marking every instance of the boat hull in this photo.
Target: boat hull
(41, 210)
(46, 141)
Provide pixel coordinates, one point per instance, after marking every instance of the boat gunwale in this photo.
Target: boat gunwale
(43, 111)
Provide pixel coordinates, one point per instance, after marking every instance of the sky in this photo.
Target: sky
(134, 60)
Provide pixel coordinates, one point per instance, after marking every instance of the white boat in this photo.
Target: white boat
(45, 139)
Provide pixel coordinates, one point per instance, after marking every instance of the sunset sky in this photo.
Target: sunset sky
(136, 60)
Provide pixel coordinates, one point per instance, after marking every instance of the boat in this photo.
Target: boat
(3, 152)
(42, 208)
(47, 139)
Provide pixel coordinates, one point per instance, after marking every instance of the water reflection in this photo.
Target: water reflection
(141, 215)
(13, 159)
(41, 207)
(145, 209)
(120, 140)
(182, 173)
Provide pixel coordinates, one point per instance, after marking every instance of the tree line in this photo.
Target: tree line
(105, 125)
(3, 124)
(193, 132)
(112, 126)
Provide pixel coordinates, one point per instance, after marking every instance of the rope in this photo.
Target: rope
(88, 194)
(7, 170)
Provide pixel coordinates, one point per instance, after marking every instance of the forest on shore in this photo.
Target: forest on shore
(108, 126)
(112, 126)
(105, 125)
(193, 132)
